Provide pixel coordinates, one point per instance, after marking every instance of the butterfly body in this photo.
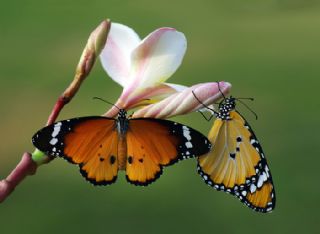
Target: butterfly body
(237, 163)
(102, 146)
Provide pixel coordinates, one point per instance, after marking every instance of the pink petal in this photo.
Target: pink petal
(184, 102)
(116, 56)
(144, 97)
(158, 56)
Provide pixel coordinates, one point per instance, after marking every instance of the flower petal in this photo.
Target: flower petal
(177, 87)
(157, 57)
(184, 102)
(146, 96)
(116, 56)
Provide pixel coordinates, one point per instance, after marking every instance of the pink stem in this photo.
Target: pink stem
(93, 48)
(25, 167)
(56, 109)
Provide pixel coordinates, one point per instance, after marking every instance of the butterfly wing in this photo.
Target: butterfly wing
(90, 142)
(154, 143)
(237, 164)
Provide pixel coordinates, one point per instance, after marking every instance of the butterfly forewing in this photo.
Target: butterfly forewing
(153, 143)
(90, 142)
(237, 165)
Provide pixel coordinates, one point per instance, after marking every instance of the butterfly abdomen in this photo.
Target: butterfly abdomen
(122, 152)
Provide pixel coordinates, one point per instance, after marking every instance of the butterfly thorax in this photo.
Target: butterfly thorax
(122, 122)
(225, 107)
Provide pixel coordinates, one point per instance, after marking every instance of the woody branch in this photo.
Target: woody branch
(30, 162)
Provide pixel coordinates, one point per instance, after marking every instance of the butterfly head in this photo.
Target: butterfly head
(227, 105)
(122, 114)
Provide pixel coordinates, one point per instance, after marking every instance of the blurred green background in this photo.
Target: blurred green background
(268, 50)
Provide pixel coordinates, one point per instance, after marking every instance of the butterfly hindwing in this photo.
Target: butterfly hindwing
(237, 164)
(90, 142)
(154, 143)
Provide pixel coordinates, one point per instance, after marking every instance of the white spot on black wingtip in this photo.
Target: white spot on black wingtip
(252, 188)
(188, 144)
(186, 132)
(56, 129)
(53, 141)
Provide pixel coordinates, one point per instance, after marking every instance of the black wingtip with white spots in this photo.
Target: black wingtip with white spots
(50, 139)
(192, 142)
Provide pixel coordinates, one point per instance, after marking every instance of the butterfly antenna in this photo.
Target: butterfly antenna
(202, 102)
(246, 98)
(206, 118)
(224, 97)
(243, 103)
(101, 99)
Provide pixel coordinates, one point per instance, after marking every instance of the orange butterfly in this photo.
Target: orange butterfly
(101, 146)
(237, 164)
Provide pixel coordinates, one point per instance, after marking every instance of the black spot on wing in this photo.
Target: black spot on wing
(112, 159)
(232, 155)
(130, 159)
